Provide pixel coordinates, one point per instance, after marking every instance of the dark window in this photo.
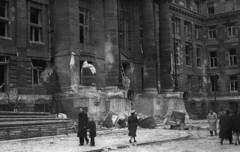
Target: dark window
(211, 8)
(187, 28)
(232, 57)
(213, 59)
(231, 29)
(233, 84)
(212, 32)
(83, 25)
(3, 73)
(200, 84)
(214, 83)
(176, 24)
(188, 54)
(87, 78)
(37, 68)
(199, 55)
(4, 26)
(34, 15)
(3, 8)
(189, 82)
(35, 28)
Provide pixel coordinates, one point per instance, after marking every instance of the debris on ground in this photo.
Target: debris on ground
(148, 122)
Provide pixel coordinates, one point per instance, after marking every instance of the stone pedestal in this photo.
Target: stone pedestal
(160, 104)
(173, 101)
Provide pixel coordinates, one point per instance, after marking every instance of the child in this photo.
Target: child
(92, 130)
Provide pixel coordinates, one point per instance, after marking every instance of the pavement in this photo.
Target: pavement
(105, 140)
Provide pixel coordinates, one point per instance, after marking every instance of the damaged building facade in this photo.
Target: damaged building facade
(102, 43)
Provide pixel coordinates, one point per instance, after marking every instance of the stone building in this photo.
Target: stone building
(123, 38)
(206, 40)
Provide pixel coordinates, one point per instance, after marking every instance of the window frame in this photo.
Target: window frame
(199, 56)
(178, 48)
(232, 28)
(36, 26)
(189, 82)
(188, 54)
(85, 26)
(212, 33)
(232, 58)
(211, 9)
(187, 28)
(197, 32)
(176, 25)
(5, 19)
(233, 82)
(213, 60)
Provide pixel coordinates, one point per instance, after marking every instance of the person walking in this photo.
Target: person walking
(236, 125)
(132, 126)
(92, 131)
(226, 127)
(82, 126)
(212, 121)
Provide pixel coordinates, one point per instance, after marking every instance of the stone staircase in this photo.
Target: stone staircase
(19, 125)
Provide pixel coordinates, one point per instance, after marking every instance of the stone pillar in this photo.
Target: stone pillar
(165, 47)
(149, 49)
(111, 44)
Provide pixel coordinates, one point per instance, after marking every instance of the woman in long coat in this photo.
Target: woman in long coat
(236, 125)
(82, 126)
(132, 126)
(212, 121)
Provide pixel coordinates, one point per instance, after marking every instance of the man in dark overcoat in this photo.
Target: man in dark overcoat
(82, 126)
(226, 127)
(236, 126)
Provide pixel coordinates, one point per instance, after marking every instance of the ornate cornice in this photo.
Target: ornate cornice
(187, 12)
(224, 15)
(190, 13)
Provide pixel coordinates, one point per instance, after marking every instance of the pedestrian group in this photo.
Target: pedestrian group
(85, 123)
(229, 124)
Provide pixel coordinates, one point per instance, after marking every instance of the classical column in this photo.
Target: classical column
(165, 47)
(111, 43)
(149, 49)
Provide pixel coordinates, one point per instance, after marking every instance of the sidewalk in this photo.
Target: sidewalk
(114, 140)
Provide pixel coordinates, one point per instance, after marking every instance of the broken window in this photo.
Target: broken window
(84, 25)
(37, 68)
(36, 27)
(233, 84)
(86, 75)
(4, 19)
(213, 59)
(4, 74)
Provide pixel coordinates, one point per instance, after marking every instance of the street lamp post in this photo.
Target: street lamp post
(175, 56)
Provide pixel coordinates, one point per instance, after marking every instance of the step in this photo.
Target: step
(27, 116)
(28, 119)
(24, 113)
(28, 123)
